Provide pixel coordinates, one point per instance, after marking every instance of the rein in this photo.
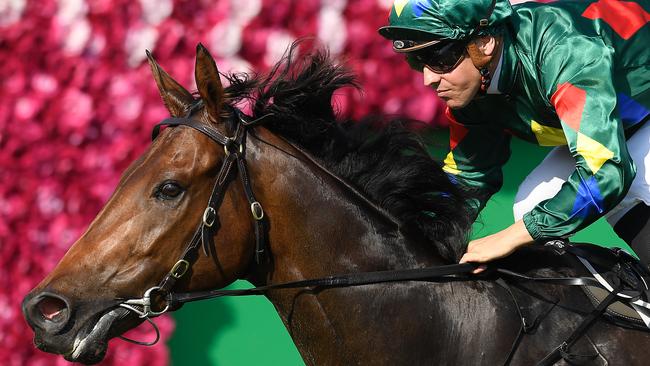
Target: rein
(235, 149)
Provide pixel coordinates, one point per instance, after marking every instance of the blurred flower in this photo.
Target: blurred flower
(26, 107)
(385, 4)
(244, 11)
(138, 39)
(225, 39)
(155, 11)
(77, 110)
(71, 10)
(11, 11)
(331, 29)
(44, 84)
(276, 45)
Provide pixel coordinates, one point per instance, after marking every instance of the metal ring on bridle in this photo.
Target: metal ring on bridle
(209, 216)
(231, 142)
(145, 303)
(256, 209)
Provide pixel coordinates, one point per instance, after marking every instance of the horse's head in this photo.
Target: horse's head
(148, 223)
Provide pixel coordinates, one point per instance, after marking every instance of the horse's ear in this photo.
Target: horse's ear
(208, 82)
(176, 98)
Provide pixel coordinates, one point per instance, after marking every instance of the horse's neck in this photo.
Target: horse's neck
(319, 227)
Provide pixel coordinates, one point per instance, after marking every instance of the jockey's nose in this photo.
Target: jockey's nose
(430, 78)
(46, 310)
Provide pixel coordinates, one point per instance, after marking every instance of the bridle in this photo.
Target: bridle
(234, 148)
(235, 152)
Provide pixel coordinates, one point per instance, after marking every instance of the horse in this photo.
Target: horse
(327, 197)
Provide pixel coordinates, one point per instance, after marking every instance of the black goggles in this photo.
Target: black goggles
(441, 58)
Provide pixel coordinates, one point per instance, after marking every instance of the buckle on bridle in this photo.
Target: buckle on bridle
(258, 212)
(209, 216)
(179, 268)
(232, 143)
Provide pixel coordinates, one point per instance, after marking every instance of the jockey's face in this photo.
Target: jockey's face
(457, 87)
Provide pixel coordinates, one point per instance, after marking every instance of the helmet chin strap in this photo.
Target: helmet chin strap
(481, 62)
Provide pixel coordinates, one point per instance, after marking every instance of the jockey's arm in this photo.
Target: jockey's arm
(580, 86)
(581, 90)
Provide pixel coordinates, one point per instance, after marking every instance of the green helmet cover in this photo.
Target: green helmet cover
(420, 20)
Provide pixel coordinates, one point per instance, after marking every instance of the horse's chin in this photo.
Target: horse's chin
(91, 342)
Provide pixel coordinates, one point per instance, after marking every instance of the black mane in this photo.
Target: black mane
(382, 158)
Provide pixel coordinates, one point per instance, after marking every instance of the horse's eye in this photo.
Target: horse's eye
(169, 190)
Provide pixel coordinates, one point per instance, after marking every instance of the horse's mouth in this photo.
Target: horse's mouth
(91, 342)
(91, 347)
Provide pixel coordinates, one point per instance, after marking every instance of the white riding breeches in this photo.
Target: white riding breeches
(546, 179)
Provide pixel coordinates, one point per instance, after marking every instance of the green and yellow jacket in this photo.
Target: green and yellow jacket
(572, 73)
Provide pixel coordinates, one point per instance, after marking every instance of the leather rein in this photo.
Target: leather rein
(235, 150)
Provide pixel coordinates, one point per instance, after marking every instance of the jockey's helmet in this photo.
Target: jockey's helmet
(415, 24)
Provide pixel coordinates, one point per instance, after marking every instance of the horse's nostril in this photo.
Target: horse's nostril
(52, 308)
(47, 311)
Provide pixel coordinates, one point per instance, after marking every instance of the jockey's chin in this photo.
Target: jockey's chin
(458, 100)
(455, 103)
(460, 94)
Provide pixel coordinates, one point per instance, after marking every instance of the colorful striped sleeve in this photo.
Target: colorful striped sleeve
(580, 87)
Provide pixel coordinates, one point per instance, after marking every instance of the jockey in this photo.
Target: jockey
(575, 75)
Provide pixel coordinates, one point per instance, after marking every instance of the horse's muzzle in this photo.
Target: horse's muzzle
(79, 330)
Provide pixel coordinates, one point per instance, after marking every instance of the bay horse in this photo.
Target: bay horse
(337, 198)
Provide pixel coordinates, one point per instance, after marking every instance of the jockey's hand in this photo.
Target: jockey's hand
(497, 245)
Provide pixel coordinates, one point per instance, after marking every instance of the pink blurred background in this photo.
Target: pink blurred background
(77, 104)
